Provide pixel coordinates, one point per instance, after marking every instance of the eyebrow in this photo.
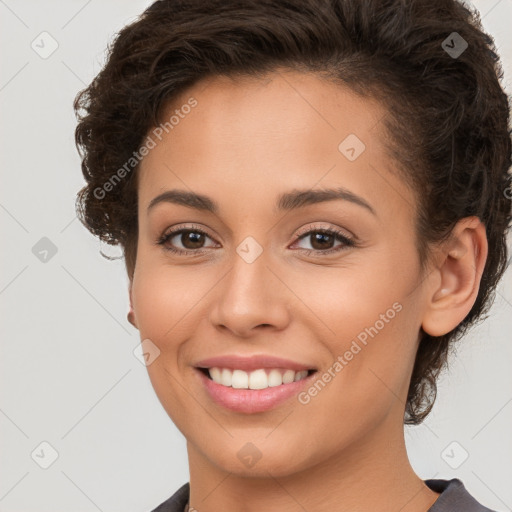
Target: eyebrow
(286, 202)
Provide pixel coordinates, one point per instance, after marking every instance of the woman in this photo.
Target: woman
(312, 202)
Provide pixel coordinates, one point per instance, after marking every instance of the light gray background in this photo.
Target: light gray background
(68, 373)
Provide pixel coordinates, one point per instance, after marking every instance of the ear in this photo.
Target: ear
(456, 279)
(131, 314)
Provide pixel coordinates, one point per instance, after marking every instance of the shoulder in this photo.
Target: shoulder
(454, 497)
(177, 502)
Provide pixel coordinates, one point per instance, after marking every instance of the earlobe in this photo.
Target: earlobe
(461, 266)
(131, 318)
(131, 314)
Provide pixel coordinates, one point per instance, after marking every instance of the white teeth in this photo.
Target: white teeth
(257, 379)
(274, 378)
(216, 374)
(288, 376)
(239, 379)
(225, 378)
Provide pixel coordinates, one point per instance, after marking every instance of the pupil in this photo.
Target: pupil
(193, 238)
(318, 237)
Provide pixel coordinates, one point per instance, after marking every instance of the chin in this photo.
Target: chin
(247, 459)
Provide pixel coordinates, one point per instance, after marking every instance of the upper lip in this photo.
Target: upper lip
(252, 363)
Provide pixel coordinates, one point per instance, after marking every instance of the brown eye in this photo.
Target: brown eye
(185, 240)
(322, 241)
(191, 239)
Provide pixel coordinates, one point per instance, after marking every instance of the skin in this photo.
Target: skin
(245, 143)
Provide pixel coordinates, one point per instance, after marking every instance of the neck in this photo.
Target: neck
(374, 473)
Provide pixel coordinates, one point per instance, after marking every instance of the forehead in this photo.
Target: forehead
(248, 137)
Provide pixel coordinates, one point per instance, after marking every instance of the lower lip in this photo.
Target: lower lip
(250, 401)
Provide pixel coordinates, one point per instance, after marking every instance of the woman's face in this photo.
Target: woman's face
(255, 275)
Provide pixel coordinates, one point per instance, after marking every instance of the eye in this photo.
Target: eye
(321, 241)
(192, 240)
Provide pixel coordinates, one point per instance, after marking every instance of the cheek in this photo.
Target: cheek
(164, 299)
(380, 372)
(346, 299)
(366, 316)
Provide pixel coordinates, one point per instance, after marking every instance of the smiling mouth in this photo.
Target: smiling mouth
(257, 379)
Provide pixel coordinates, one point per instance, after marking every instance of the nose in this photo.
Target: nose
(251, 298)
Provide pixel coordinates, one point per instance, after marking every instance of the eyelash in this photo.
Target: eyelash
(338, 235)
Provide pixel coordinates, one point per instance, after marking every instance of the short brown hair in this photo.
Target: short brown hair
(448, 124)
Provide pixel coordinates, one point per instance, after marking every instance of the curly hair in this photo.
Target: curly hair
(448, 122)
